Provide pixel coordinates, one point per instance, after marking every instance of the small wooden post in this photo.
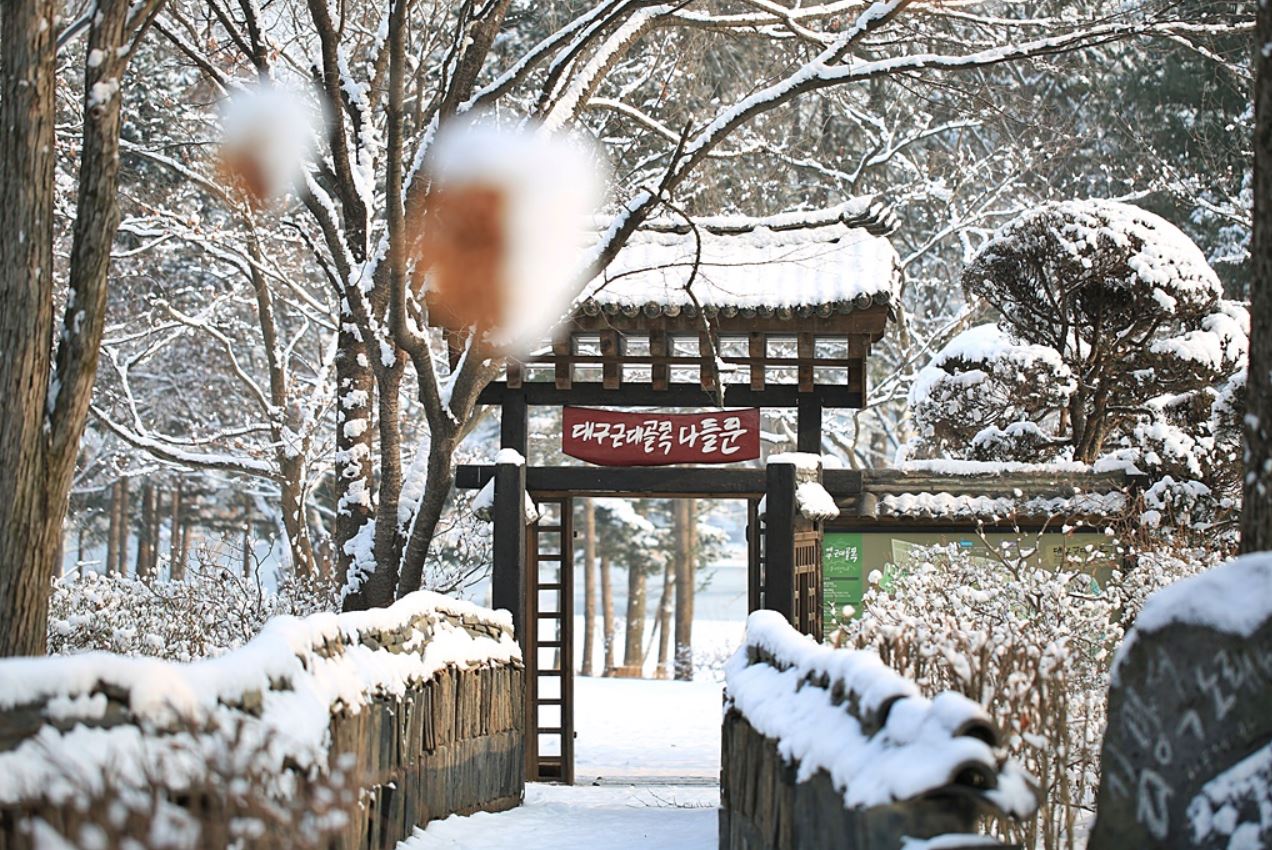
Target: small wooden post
(779, 540)
(659, 351)
(563, 372)
(757, 350)
(708, 371)
(509, 545)
(805, 350)
(611, 363)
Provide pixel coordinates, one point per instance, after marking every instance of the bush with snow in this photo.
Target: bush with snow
(208, 613)
(1113, 345)
(1031, 645)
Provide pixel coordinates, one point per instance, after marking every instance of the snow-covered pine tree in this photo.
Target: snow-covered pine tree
(1113, 343)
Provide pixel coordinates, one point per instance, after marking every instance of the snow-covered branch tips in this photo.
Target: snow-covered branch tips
(609, 438)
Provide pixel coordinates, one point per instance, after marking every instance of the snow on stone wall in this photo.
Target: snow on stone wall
(846, 714)
(299, 695)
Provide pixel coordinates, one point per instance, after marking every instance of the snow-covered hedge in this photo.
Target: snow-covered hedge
(209, 612)
(845, 713)
(281, 705)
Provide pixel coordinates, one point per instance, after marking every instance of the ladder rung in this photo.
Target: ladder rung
(552, 701)
(550, 528)
(556, 674)
(549, 615)
(549, 556)
(550, 730)
(551, 586)
(550, 644)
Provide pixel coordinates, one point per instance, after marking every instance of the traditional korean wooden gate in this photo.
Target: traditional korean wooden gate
(550, 655)
(792, 329)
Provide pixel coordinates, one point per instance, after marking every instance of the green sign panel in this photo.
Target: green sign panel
(842, 559)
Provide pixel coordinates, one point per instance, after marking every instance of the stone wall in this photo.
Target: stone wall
(829, 749)
(419, 705)
(764, 806)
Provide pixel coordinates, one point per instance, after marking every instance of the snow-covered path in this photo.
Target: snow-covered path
(582, 817)
(643, 730)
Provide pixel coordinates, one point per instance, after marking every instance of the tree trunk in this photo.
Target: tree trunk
(352, 461)
(589, 586)
(175, 567)
(686, 562)
(664, 620)
(1256, 512)
(30, 514)
(112, 529)
(125, 527)
(46, 397)
(437, 487)
(633, 650)
(300, 547)
(145, 535)
(184, 560)
(247, 541)
(607, 614)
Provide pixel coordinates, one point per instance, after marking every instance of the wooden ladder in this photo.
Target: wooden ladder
(550, 661)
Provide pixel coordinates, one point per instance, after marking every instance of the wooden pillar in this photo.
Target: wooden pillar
(514, 423)
(508, 575)
(809, 424)
(779, 540)
(754, 579)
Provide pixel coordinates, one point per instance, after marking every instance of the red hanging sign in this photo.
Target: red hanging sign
(610, 438)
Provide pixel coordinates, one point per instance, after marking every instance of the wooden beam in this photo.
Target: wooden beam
(834, 396)
(869, 323)
(729, 482)
(516, 373)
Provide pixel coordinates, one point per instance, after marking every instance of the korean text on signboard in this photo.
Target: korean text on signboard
(612, 438)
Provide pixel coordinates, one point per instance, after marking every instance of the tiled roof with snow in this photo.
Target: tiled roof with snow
(820, 262)
(968, 506)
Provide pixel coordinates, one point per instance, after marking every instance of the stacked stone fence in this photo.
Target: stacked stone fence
(416, 708)
(828, 748)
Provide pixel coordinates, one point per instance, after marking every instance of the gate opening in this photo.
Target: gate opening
(669, 604)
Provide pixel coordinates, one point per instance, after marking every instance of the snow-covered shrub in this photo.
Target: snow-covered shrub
(1113, 346)
(1031, 645)
(208, 613)
(986, 397)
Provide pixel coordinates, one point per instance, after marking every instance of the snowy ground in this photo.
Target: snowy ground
(662, 737)
(643, 728)
(557, 817)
